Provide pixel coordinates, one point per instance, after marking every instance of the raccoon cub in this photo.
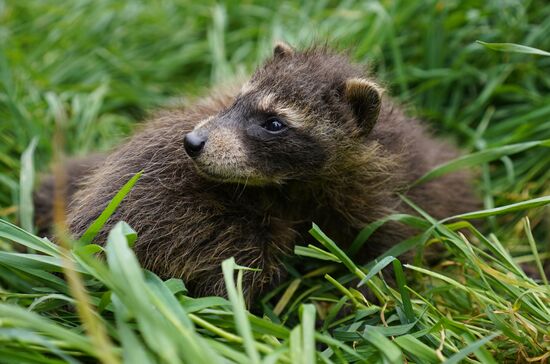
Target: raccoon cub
(243, 173)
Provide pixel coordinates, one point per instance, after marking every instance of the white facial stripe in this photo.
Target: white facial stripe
(204, 122)
(292, 115)
(266, 102)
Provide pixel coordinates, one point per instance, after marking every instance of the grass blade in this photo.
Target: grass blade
(463, 354)
(237, 302)
(529, 204)
(98, 223)
(14, 233)
(515, 48)
(416, 347)
(387, 348)
(308, 334)
(26, 184)
(478, 158)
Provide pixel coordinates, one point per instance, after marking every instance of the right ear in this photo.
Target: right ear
(282, 49)
(365, 99)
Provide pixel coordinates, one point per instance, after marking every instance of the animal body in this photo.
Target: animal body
(243, 173)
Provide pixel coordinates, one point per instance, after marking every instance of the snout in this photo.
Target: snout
(194, 143)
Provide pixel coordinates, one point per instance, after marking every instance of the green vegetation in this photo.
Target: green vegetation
(93, 68)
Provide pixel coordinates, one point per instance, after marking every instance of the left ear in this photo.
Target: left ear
(282, 49)
(365, 99)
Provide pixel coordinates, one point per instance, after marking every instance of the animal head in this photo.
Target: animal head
(298, 113)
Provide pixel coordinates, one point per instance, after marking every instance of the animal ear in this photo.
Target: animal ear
(365, 99)
(282, 49)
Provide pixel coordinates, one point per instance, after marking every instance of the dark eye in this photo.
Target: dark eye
(274, 124)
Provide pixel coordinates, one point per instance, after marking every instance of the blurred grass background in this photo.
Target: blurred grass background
(99, 67)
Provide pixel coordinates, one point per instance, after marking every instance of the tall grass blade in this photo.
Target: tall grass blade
(26, 185)
(98, 223)
(515, 48)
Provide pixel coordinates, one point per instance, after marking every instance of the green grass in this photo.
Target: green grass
(96, 68)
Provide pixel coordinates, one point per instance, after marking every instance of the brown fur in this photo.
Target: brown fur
(77, 170)
(253, 195)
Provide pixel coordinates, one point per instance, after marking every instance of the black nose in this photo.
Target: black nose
(193, 143)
